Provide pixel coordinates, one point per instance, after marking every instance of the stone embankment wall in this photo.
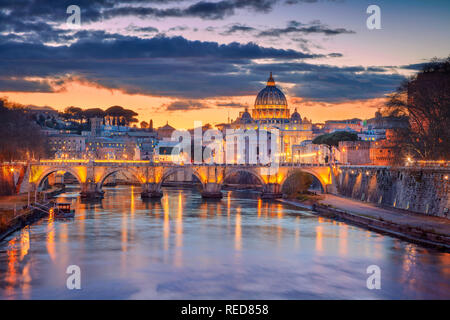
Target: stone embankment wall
(422, 190)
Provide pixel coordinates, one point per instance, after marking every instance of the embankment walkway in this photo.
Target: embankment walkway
(415, 227)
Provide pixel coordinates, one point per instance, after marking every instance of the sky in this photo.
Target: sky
(205, 60)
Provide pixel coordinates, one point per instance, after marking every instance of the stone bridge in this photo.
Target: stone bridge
(422, 188)
(91, 174)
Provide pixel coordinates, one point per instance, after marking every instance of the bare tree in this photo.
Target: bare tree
(20, 136)
(425, 100)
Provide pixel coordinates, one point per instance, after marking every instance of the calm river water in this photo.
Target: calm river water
(183, 247)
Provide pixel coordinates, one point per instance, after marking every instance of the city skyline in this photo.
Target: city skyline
(208, 60)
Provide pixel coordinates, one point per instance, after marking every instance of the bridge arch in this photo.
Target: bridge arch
(168, 172)
(135, 173)
(44, 175)
(321, 175)
(231, 172)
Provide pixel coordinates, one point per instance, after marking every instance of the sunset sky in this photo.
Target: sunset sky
(187, 60)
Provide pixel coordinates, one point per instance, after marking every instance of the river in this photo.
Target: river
(184, 247)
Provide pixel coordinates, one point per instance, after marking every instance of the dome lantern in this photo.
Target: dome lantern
(271, 81)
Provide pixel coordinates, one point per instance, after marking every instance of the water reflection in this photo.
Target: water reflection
(182, 246)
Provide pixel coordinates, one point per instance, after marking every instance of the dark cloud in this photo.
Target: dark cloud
(342, 86)
(169, 66)
(237, 28)
(232, 105)
(295, 27)
(178, 28)
(190, 70)
(161, 65)
(184, 105)
(202, 9)
(309, 1)
(23, 85)
(143, 29)
(101, 45)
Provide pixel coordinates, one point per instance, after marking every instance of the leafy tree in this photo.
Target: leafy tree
(121, 116)
(144, 125)
(73, 114)
(333, 139)
(425, 99)
(94, 113)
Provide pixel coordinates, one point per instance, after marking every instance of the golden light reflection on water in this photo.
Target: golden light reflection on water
(228, 207)
(297, 232)
(51, 237)
(319, 238)
(237, 230)
(11, 276)
(259, 207)
(124, 230)
(132, 212)
(343, 239)
(24, 242)
(179, 232)
(166, 223)
(279, 211)
(408, 264)
(132, 208)
(26, 280)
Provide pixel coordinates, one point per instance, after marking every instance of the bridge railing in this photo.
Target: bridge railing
(122, 163)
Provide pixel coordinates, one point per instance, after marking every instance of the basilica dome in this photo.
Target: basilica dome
(271, 95)
(270, 103)
(245, 117)
(296, 117)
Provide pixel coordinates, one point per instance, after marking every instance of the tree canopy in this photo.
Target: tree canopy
(333, 139)
(118, 114)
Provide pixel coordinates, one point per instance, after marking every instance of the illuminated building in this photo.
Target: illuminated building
(354, 152)
(271, 111)
(67, 146)
(165, 132)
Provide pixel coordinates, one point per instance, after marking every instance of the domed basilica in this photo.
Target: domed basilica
(271, 110)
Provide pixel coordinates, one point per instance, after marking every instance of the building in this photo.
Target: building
(165, 132)
(67, 146)
(350, 125)
(96, 126)
(271, 111)
(374, 129)
(307, 152)
(382, 152)
(167, 151)
(354, 152)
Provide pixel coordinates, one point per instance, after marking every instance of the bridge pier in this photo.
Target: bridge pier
(90, 190)
(271, 191)
(212, 190)
(151, 190)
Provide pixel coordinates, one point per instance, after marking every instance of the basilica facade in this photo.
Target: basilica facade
(271, 110)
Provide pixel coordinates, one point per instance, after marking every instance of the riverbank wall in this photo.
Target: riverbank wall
(24, 218)
(420, 190)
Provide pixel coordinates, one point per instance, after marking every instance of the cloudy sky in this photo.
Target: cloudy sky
(186, 60)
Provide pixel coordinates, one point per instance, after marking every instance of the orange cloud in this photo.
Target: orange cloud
(74, 91)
